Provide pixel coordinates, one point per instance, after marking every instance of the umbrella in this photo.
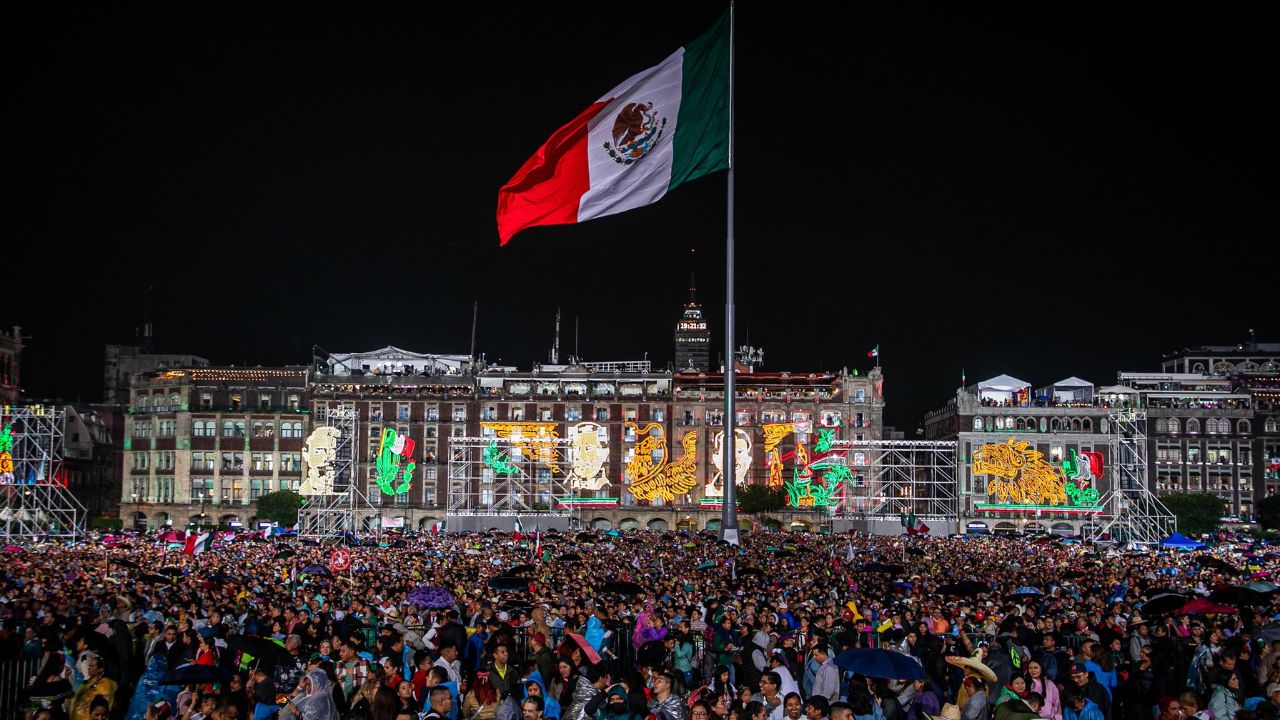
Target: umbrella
(310, 543)
(12, 548)
(1026, 591)
(431, 597)
(125, 563)
(750, 571)
(706, 565)
(1239, 596)
(471, 551)
(1200, 606)
(153, 578)
(880, 663)
(964, 588)
(1263, 587)
(191, 674)
(1218, 563)
(399, 544)
(585, 537)
(622, 587)
(315, 569)
(506, 582)
(1164, 603)
(285, 553)
(263, 649)
(569, 557)
(587, 651)
(1270, 632)
(170, 571)
(885, 568)
(520, 569)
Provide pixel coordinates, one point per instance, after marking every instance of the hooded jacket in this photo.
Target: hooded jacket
(550, 706)
(583, 693)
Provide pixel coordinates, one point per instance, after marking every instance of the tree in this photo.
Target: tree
(1197, 513)
(280, 507)
(1269, 512)
(761, 499)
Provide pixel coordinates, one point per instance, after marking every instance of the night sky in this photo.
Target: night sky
(1004, 191)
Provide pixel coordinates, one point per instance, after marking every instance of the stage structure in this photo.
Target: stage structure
(34, 499)
(332, 496)
(521, 470)
(1131, 512)
(883, 480)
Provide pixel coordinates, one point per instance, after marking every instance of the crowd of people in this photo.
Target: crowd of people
(640, 625)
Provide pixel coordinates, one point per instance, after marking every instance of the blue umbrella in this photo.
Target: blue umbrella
(316, 570)
(1026, 591)
(880, 663)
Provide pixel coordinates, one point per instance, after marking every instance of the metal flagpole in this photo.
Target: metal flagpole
(729, 510)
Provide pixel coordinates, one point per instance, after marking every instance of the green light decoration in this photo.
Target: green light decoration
(499, 461)
(825, 438)
(6, 438)
(6, 455)
(1079, 496)
(803, 492)
(394, 451)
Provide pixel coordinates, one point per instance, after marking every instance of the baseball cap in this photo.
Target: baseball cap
(542, 639)
(1078, 668)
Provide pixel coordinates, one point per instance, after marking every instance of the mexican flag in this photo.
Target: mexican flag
(197, 544)
(657, 130)
(518, 530)
(913, 526)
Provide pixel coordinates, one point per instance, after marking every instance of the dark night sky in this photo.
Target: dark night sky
(1007, 191)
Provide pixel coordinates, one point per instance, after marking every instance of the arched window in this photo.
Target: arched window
(1223, 368)
(1247, 366)
(1022, 424)
(1198, 368)
(1245, 427)
(175, 400)
(1055, 425)
(1075, 424)
(1193, 426)
(1172, 427)
(1087, 424)
(999, 423)
(977, 423)
(1044, 426)
(144, 401)
(228, 428)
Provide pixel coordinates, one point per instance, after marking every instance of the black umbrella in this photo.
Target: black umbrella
(125, 563)
(399, 544)
(519, 570)
(285, 553)
(507, 582)
(1217, 563)
(632, 539)
(1238, 596)
(622, 587)
(264, 650)
(153, 578)
(964, 588)
(316, 569)
(171, 571)
(570, 557)
(586, 537)
(311, 543)
(1163, 603)
(750, 571)
(192, 674)
(886, 568)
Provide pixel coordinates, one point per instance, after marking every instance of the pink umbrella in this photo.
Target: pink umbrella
(12, 548)
(1200, 606)
(587, 650)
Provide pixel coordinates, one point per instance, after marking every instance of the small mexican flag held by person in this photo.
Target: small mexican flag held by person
(913, 525)
(660, 128)
(197, 544)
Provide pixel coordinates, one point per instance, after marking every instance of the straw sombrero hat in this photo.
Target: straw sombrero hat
(974, 666)
(949, 712)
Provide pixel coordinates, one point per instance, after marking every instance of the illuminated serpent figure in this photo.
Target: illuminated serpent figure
(1021, 474)
(668, 480)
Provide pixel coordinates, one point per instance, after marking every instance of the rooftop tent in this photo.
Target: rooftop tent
(1178, 540)
(1071, 390)
(1116, 390)
(1003, 388)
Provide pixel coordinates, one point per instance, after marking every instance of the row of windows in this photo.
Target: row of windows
(1212, 426)
(236, 428)
(1009, 423)
(173, 402)
(233, 491)
(260, 461)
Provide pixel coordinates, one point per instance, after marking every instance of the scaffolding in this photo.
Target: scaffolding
(1131, 512)
(333, 515)
(890, 478)
(510, 477)
(34, 500)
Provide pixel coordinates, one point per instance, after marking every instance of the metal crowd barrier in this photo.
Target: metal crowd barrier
(14, 676)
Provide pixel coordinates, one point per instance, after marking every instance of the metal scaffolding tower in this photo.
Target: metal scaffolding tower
(507, 476)
(325, 516)
(891, 477)
(1132, 514)
(34, 500)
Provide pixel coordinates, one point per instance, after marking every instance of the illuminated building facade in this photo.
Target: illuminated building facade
(202, 443)
(1023, 454)
(693, 339)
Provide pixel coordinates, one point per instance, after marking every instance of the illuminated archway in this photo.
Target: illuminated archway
(801, 526)
(713, 525)
(657, 524)
(687, 524)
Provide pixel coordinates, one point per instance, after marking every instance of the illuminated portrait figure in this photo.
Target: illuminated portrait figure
(319, 451)
(741, 462)
(588, 451)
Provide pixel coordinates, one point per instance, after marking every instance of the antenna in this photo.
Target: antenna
(576, 356)
(475, 312)
(555, 348)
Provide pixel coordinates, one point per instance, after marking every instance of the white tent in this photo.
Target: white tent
(1070, 390)
(1003, 388)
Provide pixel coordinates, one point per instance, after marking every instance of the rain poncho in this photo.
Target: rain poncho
(550, 706)
(318, 703)
(594, 633)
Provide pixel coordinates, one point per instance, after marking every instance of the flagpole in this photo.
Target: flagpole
(729, 475)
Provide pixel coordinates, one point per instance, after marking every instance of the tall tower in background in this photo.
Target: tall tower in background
(693, 339)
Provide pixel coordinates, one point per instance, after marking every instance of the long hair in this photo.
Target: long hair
(483, 689)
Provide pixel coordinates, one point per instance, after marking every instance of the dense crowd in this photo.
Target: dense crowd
(638, 626)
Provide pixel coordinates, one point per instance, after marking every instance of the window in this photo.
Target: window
(1193, 426)
(602, 413)
(488, 412)
(977, 424)
(142, 429)
(206, 401)
(659, 415)
(1055, 454)
(264, 401)
(143, 402)
(517, 413)
(294, 402)
(375, 412)
(573, 413)
(235, 401)
(433, 413)
(433, 431)
(715, 417)
(459, 414)
(1245, 427)
(1172, 426)
(860, 395)
(544, 414)
(402, 412)
(141, 460)
(290, 462)
(228, 428)
(458, 432)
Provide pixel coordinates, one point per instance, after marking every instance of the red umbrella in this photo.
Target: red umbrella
(1200, 606)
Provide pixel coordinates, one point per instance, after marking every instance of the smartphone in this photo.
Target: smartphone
(282, 698)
